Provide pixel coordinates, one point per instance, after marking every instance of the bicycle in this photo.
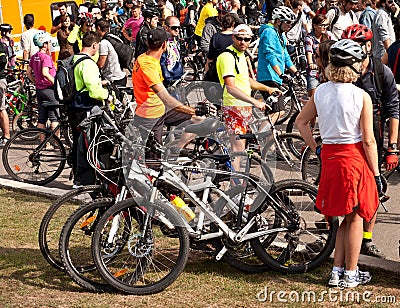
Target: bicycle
(39, 160)
(125, 272)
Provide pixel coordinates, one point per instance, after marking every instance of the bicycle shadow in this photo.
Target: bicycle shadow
(27, 266)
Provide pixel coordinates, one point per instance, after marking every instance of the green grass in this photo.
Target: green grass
(26, 280)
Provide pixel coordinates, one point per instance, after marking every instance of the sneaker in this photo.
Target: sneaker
(370, 249)
(247, 201)
(335, 278)
(3, 141)
(359, 278)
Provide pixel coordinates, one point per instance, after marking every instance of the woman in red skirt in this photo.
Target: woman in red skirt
(350, 179)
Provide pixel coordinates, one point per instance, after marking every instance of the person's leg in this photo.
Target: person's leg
(339, 256)
(4, 120)
(42, 117)
(352, 240)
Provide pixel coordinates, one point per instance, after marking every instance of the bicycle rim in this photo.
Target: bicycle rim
(25, 163)
(302, 247)
(138, 263)
(55, 218)
(310, 166)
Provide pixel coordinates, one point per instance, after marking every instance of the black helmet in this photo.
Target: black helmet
(5, 28)
(150, 13)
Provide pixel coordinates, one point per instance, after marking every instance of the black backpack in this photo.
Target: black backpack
(214, 91)
(124, 51)
(64, 81)
(3, 59)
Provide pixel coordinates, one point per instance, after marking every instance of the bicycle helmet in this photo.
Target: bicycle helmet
(150, 13)
(6, 28)
(346, 52)
(358, 33)
(224, 6)
(284, 14)
(40, 38)
(87, 18)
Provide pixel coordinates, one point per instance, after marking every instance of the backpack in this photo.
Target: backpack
(336, 17)
(3, 58)
(378, 78)
(124, 51)
(64, 81)
(214, 91)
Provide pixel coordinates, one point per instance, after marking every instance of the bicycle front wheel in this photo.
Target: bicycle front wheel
(304, 239)
(32, 160)
(146, 257)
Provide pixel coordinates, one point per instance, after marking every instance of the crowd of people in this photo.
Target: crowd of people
(352, 74)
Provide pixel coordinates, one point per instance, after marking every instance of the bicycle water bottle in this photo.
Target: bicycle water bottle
(182, 207)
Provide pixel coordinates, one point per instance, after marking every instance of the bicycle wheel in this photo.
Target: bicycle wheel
(30, 160)
(26, 119)
(57, 215)
(289, 106)
(75, 245)
(146, 257)
(310, 166)
(308, 239)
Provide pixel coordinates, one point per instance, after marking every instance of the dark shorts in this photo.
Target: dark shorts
(46, 95)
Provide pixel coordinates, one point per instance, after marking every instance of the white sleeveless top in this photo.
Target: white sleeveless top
(339, 108)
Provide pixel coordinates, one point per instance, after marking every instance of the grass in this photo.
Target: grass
(26, 280)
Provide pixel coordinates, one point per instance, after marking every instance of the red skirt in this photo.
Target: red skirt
(347, 183)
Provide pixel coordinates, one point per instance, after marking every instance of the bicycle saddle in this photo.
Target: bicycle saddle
(204, 128)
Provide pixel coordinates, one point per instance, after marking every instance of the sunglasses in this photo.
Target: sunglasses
(174, 27)
(288, 23)
(390, 1)
(324, 25)
(246, 39)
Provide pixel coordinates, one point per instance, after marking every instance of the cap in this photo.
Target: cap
(156, 36)
(83, 9)
(96, 10)
(129, 2)
(242, 29)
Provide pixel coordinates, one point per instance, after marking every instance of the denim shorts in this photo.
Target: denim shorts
(312, 82)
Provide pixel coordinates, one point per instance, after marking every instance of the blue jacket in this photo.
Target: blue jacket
(272, 51)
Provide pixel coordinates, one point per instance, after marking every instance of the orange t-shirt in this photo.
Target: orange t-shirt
(146, 73)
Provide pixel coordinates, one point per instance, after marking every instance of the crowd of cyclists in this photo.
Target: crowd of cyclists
(351, 59)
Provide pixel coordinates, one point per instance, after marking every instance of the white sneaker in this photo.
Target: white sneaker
(359, 278)
(335, 279)
(247, 201)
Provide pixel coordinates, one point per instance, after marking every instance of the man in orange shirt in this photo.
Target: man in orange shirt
(155, 106)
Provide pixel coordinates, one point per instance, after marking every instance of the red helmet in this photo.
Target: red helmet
(358, 33)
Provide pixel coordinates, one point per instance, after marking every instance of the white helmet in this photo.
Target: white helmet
(346, 52)
(40, 38)
(284, 14)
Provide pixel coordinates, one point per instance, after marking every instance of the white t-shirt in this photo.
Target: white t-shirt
(344, 20)
(27, 42)
(339, 108)
(111, 69)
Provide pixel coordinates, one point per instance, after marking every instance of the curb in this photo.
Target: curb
(52, 193)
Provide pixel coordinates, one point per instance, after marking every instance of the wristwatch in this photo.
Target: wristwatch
(393, 146)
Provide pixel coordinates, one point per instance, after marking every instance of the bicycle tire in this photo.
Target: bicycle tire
(25, 119)
(289, 107)
(124, 272)
(24, 165)
(56, 216)
(304, 246)
(310, 166)
(75, 245)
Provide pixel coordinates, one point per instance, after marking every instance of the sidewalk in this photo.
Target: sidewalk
(386, 234)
